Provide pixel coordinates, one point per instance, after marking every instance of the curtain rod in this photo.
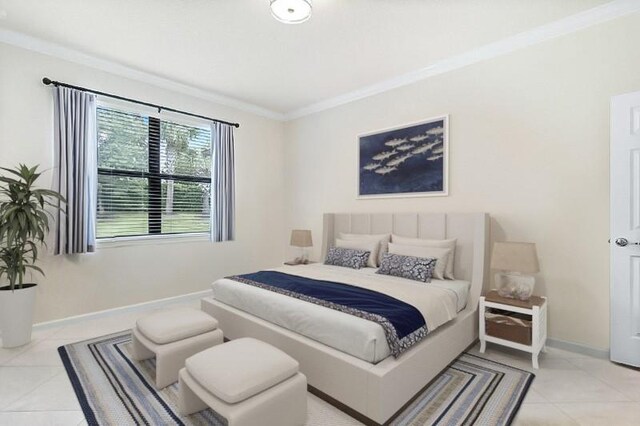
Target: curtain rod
(48, 81)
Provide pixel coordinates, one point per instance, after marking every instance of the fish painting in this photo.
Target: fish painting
(438, 150)
(406, 160)
(372, 166)
(399, 160)
(395, 142)
(384, 155)
(422, 149)
(385, 170)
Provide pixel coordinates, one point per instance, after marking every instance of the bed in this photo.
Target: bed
(439, 302)
(346, 357)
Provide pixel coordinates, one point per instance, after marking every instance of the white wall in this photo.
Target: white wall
(114, 277)
(529, 143)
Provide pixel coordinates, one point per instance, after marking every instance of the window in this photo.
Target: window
(154, 176)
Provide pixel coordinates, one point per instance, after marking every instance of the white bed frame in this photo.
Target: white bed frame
(378, 391)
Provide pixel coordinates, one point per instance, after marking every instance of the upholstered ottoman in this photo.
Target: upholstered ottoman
(172, 336)
(247, 382)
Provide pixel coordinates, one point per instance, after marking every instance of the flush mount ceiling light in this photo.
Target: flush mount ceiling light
(291, 11)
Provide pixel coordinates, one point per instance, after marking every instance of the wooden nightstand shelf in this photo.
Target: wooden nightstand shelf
(535, 308)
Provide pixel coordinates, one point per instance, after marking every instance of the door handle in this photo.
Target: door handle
(623, 242)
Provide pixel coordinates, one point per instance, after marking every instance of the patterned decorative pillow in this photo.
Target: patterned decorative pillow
(410, 267)
(350, 258)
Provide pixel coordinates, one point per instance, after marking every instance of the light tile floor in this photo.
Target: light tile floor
(574, 389)
(569, 388)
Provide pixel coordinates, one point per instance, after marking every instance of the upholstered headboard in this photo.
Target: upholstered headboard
(470, 229)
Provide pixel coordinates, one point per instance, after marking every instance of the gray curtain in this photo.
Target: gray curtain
(222, 183)
(75, 169)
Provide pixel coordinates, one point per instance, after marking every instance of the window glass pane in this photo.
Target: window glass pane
(133, 200)
(185, 207)
(122, 206)
(185, 150)
(122, 140)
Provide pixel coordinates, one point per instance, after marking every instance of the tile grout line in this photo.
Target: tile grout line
(605, 383)
(62, 371)
(3, 409)
(598, 402)
(23, 350)
(41, 411)
(544, 400)
(46, 411)
(32, 346)
(566, 414)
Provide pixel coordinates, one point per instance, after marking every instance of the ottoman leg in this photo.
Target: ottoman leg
(139, 352)
(188, 401)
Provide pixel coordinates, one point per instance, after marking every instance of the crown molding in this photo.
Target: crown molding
(570, 24)
(35, 44)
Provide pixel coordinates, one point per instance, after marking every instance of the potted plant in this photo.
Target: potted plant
(24, 224)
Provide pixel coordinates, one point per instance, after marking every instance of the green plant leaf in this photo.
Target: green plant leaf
(12, 171)
(24, 221)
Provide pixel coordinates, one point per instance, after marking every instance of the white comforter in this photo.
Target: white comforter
(438, 302)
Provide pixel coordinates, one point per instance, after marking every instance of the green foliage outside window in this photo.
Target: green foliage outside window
(123, 201)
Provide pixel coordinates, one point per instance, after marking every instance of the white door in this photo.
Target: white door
(625, 229)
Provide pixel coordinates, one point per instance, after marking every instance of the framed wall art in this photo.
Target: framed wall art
(405, 161)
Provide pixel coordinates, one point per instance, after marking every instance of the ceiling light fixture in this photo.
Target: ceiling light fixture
(291, 11)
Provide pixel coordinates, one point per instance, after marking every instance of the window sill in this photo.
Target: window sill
(106, 243)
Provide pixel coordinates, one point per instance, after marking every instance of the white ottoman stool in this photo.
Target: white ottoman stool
(247, 382)
(172, 336)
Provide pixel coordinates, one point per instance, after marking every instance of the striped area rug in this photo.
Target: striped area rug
(115, 390)
(472, 391)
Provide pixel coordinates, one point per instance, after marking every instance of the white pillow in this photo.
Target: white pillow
(440, 254)
(372, 246)
(384, 240)
(450, 244)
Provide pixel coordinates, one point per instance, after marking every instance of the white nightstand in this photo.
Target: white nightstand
(535, 308)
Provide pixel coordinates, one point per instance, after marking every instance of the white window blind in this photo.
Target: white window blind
(154, 176)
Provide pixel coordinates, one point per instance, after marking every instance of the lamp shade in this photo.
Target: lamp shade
(515, 257)
(301, 238)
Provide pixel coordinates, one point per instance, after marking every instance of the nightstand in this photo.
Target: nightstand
(518, 324)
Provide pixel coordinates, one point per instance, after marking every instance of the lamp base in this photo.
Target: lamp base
(297, 261)
(302, 260)
(514, 285)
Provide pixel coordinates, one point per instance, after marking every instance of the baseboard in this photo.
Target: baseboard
(122, 309)
(578, 348)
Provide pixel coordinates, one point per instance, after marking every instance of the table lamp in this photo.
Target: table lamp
(301, 238)
(516, 262)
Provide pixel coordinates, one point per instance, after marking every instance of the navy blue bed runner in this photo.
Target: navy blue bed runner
(403, 324)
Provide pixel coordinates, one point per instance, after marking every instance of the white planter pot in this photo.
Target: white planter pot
(16, 315)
